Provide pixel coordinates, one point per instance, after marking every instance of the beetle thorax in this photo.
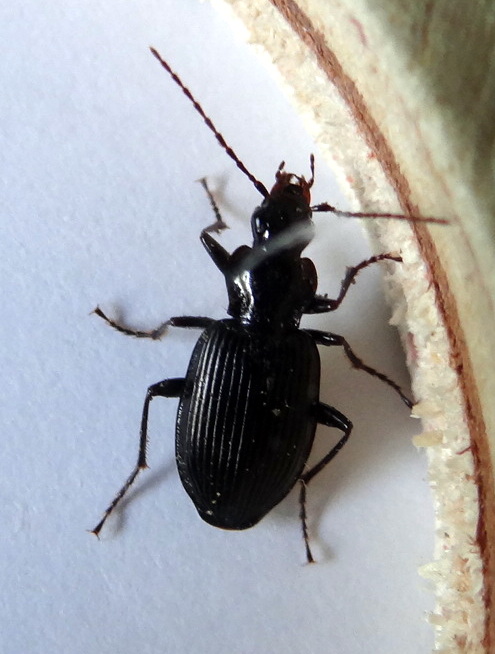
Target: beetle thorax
(273, 294)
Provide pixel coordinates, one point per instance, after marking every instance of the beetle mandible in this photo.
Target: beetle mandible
(249, 403)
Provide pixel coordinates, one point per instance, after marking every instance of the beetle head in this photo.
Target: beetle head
(286, 209)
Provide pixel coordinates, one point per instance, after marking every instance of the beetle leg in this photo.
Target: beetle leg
(198, 322)
(220, 256)
(327, 338)
(322, 304)
(325, 415)
(166, 388)
(219, 224)
(190, 322)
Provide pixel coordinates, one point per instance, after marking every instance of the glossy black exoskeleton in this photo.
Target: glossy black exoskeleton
(249, 403)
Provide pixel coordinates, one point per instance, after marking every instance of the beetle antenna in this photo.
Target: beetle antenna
(359, 214)
(311, 180)
(257, 184)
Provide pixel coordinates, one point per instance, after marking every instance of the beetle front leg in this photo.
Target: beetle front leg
(193, 322)
(323, 304)
(325, 415)
(166, 388)
(219, 225)
(327, 338)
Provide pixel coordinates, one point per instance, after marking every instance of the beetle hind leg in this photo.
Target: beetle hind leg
(325, 415)
(166, 388)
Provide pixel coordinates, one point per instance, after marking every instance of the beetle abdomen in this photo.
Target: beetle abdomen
(246, 423)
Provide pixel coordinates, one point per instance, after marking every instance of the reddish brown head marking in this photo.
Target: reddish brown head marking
(284, 179)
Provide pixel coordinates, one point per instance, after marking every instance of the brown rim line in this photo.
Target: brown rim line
(383, 93)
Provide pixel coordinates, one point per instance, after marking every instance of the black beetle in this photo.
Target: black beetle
(249, 403)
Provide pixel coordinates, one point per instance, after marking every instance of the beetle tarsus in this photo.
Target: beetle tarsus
(304, 522)
(154, 334)
(219, 225)
(116, 500)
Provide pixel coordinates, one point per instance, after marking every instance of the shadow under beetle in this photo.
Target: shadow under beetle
(249, 403)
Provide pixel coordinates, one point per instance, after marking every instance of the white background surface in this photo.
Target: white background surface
(99, 156)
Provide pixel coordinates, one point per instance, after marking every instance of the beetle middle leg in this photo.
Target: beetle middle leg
(330, 417)
(167, 388)
(327, 338)
(190, 322)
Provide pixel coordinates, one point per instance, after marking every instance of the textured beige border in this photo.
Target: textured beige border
(355, 72)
